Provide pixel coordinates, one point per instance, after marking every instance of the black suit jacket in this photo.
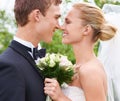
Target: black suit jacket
(19, 77)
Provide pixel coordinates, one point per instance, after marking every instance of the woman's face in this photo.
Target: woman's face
(72, 28)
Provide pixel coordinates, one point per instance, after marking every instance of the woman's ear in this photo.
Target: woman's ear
(87, 29)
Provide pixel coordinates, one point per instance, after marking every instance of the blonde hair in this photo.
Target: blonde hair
(94, 16)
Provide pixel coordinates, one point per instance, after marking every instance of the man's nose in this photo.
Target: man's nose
(58, 26)
(62, 27)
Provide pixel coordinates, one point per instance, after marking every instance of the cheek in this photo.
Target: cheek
(74, 36)
(47, 28)
(73, 31)
(49, 25)
(52, 21)
(72, 28)
(77, 34)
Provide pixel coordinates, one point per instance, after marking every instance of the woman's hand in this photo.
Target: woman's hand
(76, 73)
(52, 89)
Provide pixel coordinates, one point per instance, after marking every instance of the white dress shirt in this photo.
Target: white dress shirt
(27, 44)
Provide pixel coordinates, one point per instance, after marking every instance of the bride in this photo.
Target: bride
(109, 53)
(84, 25)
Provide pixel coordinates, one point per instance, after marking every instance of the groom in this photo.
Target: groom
(19, 77)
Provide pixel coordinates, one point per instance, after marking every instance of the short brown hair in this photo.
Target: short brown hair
(23, 8)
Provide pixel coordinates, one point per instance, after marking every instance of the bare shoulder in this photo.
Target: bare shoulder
(93, 81)
(92, 74)
(92, 69)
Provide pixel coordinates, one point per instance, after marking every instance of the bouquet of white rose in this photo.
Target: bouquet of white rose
(56, 66)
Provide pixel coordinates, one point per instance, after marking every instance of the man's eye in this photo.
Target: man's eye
(56, 17)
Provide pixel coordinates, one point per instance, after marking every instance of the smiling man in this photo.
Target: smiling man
(36, 21)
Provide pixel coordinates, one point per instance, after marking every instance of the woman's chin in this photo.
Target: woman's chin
(65, 42)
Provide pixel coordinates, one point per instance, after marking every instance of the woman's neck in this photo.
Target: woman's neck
(83, 53)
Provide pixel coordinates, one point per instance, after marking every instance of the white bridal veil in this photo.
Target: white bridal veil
(109, 53)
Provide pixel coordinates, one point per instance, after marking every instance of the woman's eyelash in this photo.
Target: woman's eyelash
(67, 22)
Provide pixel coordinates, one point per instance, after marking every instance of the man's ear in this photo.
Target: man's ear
(87, 29)
(37, 15)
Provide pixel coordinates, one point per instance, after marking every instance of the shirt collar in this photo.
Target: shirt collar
(26, 43)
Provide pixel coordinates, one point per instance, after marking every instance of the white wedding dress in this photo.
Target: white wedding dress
(109, 53)
(73, 93)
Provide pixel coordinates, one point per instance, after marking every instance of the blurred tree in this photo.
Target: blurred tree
(67, 1)
(5, 35)
(100, 3)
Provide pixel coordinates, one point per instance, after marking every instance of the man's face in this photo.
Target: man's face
(50, 23)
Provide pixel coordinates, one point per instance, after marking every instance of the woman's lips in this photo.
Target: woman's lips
(64, 34)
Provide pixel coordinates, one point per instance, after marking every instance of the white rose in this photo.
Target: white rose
(52, 63)
(57, 57)
(64, 62)
(52, 57)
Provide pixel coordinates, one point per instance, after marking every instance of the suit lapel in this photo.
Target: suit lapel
(19, 48)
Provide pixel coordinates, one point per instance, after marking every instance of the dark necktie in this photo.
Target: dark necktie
(38, 53)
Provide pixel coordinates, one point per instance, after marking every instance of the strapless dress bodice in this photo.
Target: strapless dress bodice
(74, 93)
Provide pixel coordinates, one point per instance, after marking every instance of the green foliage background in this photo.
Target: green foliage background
(5, 35)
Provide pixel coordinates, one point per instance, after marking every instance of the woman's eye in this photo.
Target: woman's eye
(68, 22)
